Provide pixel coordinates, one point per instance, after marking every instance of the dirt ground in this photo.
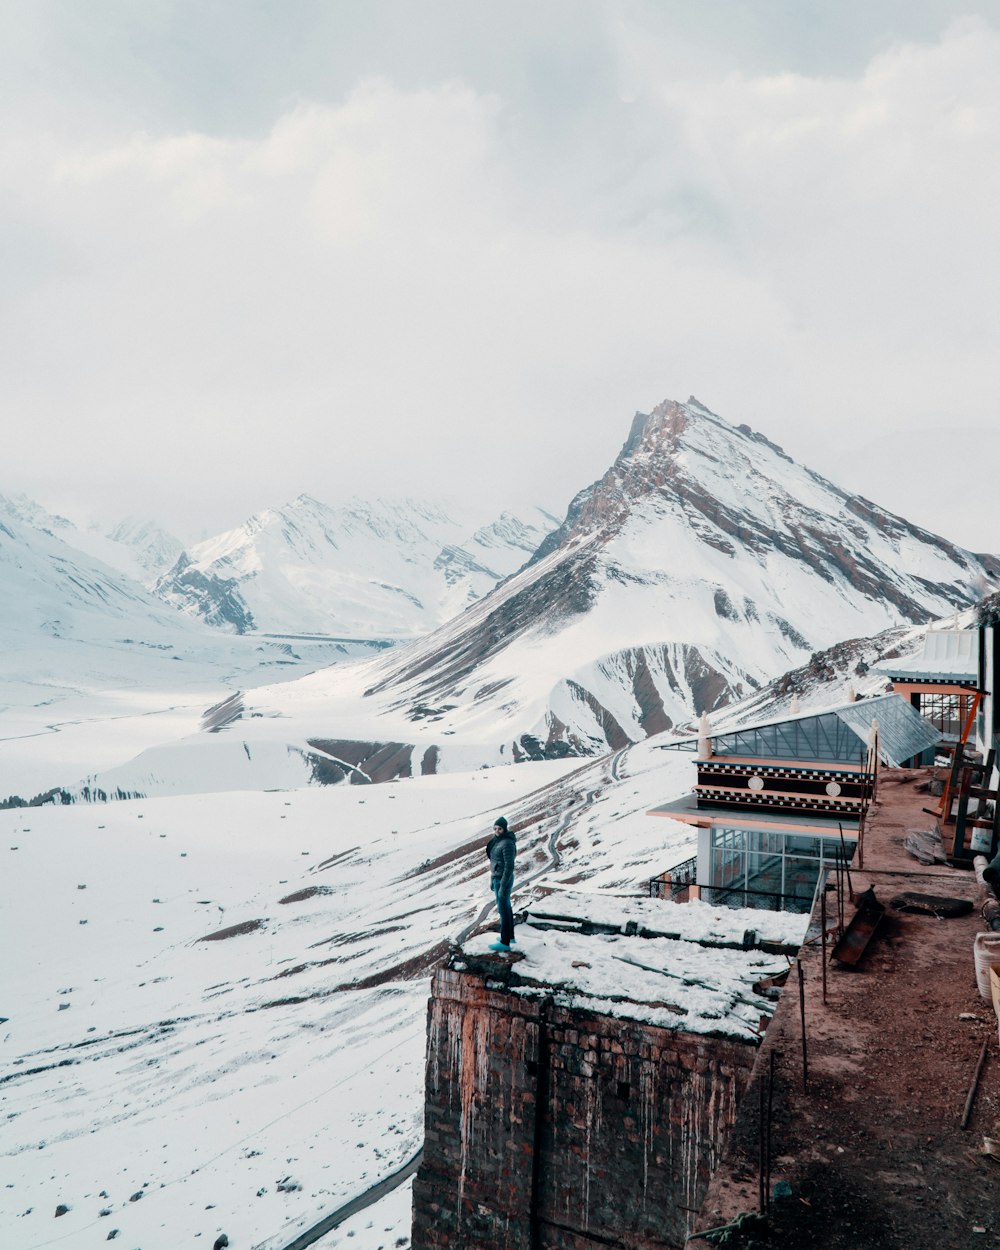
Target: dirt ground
(872, 1149)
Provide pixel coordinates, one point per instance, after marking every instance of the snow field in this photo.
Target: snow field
(184, 1058)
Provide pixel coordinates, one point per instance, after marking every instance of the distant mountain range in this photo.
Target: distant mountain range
(377, 569)
(704, 563)
(86, 639)
(86, 645)
(63, 582)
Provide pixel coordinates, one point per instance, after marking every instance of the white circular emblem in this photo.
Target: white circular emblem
(832, 789)
(756, 783)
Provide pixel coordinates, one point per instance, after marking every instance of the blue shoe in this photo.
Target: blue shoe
(499, 946)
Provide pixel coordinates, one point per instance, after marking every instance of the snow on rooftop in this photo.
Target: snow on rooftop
(671, 983)
(946, 653)
(687, 971)
(695, 921)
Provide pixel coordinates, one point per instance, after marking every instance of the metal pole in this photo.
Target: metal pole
(761, 1151)
(861, 836)
(840, 892)
(847, 869)
(822, 921)
(802, 1013)
(770, 1114)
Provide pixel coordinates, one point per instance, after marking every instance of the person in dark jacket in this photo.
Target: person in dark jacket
(501, 849)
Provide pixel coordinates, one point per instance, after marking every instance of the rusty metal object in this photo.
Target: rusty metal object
(854, 940)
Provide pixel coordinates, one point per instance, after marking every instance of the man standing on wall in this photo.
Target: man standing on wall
(501, 849)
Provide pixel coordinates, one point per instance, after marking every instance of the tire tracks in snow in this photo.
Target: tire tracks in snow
(573, 810)
(376, 1192)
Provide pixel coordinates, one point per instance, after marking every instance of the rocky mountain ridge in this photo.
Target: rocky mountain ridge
(701, 565)
(382, 569)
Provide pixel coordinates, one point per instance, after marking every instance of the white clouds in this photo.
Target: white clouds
(395, 287)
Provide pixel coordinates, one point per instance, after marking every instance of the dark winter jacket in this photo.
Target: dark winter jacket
(501, 849)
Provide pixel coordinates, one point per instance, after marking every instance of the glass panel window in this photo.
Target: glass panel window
(946, 712)
(768, 869)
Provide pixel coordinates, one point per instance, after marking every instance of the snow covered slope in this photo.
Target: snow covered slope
(704, 563)
(154, 549)
(83, 642)
(370, 570)
(115, 549)
(218, 1007)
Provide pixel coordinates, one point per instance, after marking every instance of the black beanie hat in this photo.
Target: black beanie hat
(502, 822)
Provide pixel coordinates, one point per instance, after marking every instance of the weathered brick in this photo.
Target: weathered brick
(607, 1127)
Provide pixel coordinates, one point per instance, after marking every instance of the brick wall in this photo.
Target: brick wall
(549, 1128)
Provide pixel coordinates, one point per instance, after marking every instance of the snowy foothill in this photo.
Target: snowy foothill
(215, 1020)
(95, 669)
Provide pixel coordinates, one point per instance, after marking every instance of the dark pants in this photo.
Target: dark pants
(502, 895)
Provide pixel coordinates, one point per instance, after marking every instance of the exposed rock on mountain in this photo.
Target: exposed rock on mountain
(827, 678)
(382, 569)
(83, 641)
(215, 599)
(704, 562)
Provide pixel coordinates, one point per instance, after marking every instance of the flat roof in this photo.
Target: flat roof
(686, 809)
(942, 678)
(948, 655)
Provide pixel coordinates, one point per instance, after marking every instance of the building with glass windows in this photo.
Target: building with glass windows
(780, 801)
(942, 683)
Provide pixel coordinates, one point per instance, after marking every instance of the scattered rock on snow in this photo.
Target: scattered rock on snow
(234, 930)
(62, 1209)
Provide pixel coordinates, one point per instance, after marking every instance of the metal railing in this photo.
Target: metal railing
(676, 883)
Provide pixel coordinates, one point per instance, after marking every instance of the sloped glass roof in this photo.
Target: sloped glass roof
(838, 735)
(902, 731)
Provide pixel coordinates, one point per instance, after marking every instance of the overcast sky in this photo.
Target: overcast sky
(251, 249)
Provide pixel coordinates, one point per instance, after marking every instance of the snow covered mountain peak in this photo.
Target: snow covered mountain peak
(740, 495)
(151, 545)
(704, 562)
(20, 508)
(382, 569)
